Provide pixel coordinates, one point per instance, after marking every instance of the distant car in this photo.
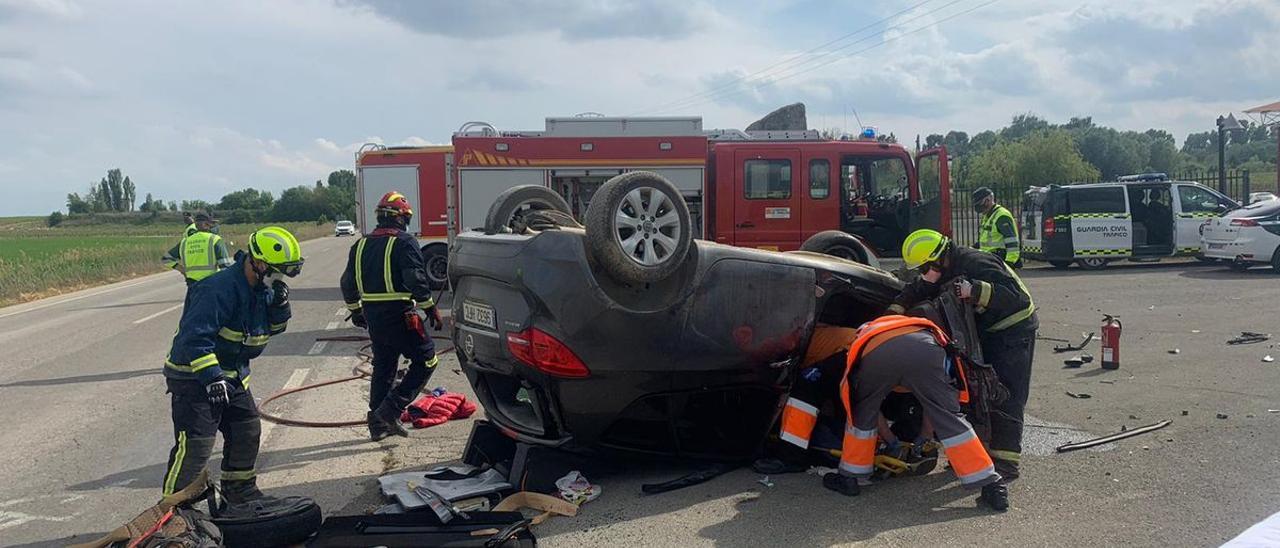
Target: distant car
(592, 338)
(1245, 237)
(344, 228)
(1255, 197)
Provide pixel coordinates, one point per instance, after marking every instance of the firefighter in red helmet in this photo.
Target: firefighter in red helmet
(385, 287)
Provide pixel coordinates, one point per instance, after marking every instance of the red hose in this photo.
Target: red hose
(360, 371)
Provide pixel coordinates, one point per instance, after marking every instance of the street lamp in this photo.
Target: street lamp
(1226, 124)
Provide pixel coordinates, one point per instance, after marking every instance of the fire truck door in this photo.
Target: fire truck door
(378, 180)
(766, 211)
(930, 200)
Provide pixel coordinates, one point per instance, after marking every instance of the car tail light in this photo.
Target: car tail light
(1048, 227)
(542, 351)
(1243, 222)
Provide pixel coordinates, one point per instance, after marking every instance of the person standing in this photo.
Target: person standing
(385, 288)
(227, 320)
(1007, 323)
(997, 232)
(201, 253)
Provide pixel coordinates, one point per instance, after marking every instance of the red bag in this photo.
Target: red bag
(430, 410)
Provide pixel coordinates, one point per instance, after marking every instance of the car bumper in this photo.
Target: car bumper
(1248, 249)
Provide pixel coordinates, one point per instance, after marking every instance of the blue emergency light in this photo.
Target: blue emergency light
(869, 133)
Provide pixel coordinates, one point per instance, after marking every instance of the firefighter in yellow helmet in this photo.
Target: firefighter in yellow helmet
(226, 322)
(1007, 322)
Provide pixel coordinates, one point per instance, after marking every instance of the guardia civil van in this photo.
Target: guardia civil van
(1142, 217)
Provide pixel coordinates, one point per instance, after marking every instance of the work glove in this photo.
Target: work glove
(280, 291)
(357, 319)
(963, 289)
(218, 392)
(430, 315)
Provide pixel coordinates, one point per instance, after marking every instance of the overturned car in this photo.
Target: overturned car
(627, 334)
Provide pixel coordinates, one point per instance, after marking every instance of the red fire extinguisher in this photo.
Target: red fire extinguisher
(1110, 342)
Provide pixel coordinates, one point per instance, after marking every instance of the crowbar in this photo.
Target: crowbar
(1114, 437)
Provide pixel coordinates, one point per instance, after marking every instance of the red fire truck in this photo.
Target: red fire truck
(769, 190)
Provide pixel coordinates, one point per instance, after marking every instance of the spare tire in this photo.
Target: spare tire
(838, 244)
(506, 214)
(638, 227)
(284, 521)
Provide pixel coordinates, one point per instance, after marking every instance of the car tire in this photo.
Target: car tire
(1275, 261)
(284, 529)
(1060, 265)
(1240, 266)
(506, 212)
(1092, 263)
(837, 244)
(435, 261)
(656, 237)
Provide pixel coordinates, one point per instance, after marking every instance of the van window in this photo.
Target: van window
(819, 179)
(1107, 199)
(767, 179)
(1197, 200)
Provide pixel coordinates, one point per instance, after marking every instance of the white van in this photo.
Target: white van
(1139, 217)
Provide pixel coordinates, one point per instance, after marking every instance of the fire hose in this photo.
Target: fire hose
(360, 371)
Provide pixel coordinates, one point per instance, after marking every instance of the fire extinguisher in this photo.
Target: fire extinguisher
(1110, 342)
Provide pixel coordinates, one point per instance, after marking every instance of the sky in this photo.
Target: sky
(198, 99)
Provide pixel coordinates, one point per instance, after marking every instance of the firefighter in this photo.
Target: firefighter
(997, 232)
(226, 322)
(887, 354)
(1007, 323)
(200, 253)
(385, 287)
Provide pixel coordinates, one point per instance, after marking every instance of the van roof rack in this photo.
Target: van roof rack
(1138, 177)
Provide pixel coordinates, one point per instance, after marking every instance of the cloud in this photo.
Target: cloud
(496, 81)
(61, 9)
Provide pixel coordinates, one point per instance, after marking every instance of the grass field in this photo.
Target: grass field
(37, 261)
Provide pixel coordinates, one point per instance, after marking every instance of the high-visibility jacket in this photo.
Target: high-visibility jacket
(202, 254)
(386, 267)
(191, 229)
(858, 448)
(1001, 300)
(998, 234)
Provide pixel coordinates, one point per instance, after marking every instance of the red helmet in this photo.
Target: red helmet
(394, 203)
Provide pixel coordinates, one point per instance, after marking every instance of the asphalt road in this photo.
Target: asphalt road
(87, 427)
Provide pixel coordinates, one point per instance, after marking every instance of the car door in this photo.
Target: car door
(766, 211)
(1195, 205)
(1100, 222)
(931, 196)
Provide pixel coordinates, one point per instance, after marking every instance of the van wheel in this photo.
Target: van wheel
(638, 227)
(1060, 265)
(507, 213)
(837, 244)
(1092, 263)
(435, 260)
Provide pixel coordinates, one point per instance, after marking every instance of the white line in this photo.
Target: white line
(158, 314)
(317, 348)
(76, 298)
(340, 312)
(295, 380)
(332, 325)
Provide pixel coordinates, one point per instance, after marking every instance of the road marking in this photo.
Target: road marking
(317, 348)
(13, 519)
(295, 380)
(158, 314)
(340, 312)
(332, 325)
(76, 298)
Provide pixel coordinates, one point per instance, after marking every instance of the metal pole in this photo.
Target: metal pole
(1222, 163)
(1245, 201)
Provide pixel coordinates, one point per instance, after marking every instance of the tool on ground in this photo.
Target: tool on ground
(1079, 396)
(1060, 348)
(1077, 361)
(1113, 437)
(1111, 341)
(1249, 337)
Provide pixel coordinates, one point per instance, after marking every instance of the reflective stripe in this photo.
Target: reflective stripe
(231, 334)
(238, 475)
(1010, 241)
(198, 364)
(857, 468)
(278, 327)
(384, 297)
(967, 455)
(434, 361)
(861, 434)
(984, 294)
(430, 302)
(1007, 456)
(245, 381)
(390, 295)
(353, 306)
(807, 408)
(386, 266)
(176, 467)
(359, 262)
(794, 440)
(978, 476)
(958, 438)
(1020, 315)
(798, 421)
(257, 340)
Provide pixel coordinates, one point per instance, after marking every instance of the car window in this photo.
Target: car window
(1194, 199)
(819, 179)
(1107, 199)
(888, 176)
(767, 179)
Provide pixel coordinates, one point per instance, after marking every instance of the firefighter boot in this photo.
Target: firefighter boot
(378, 430)
(995, 495)
(389, 415)
(840, 483)
(240, 491)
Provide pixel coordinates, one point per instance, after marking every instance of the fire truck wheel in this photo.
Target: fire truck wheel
(837, 244)
(506, 214)
(638, 227)
(435, 260)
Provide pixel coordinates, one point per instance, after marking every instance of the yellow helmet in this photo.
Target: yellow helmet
(278, 248)
(923, 246)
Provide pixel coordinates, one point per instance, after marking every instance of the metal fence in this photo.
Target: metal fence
(965, 221)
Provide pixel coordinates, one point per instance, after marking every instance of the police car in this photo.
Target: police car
(1246, 237)
(1137, 217)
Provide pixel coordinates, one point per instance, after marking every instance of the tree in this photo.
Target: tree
(173, 206)
(1044, 157)
(344, 179)
(76, 204)
(194, 205)
(933, 140)
(957, 143)
(299, 203)
(54, 219)
(115, 187)
(130, 194)
(249, 198)
(1023, 125)
(149, 204)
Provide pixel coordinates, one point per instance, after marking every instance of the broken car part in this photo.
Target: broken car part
(1076, 348)
(1249, 337)
(1113, 437)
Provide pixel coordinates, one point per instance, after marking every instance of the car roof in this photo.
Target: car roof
(1130, 183)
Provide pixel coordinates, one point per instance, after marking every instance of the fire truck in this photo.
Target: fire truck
(764, 189)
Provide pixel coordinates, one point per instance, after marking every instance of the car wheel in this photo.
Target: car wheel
(507, 212)
(1240, 265)
(1092, 263)
(1060, 265)
(837, 244)
(1275, 260)
(638, 227)
(435, 260)
(285, 528)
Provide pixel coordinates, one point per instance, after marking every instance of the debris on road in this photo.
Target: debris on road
(820, 470)
(1124, 433)
(1074, 348)
(575, 488)
(1273, 410)
(1175, 351)
(1222, 415)
(1080, 396)
(1184, 412)
(1268, 359)
(1077, 361)
(1249, 337)
(688, 480)
(765, 481)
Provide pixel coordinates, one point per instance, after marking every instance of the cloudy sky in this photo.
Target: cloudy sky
(196, 99)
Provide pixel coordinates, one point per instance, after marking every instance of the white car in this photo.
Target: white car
(1255, 197)
(1246, 236)
(344, 228)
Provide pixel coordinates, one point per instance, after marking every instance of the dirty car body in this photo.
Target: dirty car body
(695, 365)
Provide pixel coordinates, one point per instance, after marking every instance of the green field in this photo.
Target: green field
(37, 261)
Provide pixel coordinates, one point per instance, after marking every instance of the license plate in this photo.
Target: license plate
(478, 314)
(1217, 246)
